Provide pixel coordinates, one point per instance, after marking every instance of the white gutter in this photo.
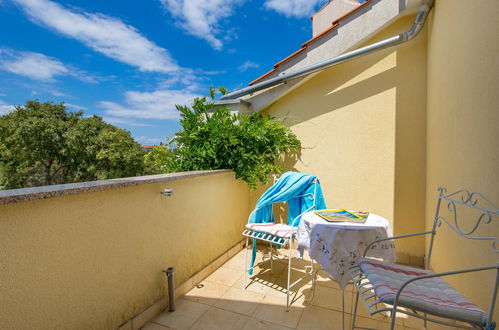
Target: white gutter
(390, 42)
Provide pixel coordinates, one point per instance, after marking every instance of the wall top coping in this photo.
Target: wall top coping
(28, 194)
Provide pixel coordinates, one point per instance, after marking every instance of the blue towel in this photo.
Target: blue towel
(286, 189)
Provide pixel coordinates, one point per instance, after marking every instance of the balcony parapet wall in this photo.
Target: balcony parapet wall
(28, 194)
(91, 255)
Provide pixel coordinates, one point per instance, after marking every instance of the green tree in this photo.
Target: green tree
(44, 143)
(98, 151)
(217, 139)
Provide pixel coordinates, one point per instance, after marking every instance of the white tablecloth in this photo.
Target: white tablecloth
(336, 246)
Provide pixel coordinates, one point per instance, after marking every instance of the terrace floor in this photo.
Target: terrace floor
(219, 302)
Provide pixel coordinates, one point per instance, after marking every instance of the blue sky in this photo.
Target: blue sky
(132, 61)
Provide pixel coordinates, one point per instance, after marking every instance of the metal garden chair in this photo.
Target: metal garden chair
(422, 293)
(281, 235)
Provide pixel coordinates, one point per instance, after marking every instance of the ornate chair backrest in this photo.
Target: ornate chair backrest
(485, 212)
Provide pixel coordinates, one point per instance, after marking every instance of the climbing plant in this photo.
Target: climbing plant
(214, 138)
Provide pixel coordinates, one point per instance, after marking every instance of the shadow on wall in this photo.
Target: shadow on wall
(344, 87)
(364, 122)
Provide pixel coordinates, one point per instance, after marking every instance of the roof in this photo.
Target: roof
(320, 9)
(304, 46)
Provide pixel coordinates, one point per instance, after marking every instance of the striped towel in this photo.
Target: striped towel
(276, 229)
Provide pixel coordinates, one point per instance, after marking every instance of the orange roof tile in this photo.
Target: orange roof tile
(261, 77)
(352, 11)
(333, 26)
(292, 55)
(321, 8)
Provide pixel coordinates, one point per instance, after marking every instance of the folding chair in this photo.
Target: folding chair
(282, 235)
(422, 292)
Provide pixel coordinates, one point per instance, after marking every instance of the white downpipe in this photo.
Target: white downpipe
(390, 42)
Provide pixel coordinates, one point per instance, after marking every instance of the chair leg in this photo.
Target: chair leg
(271, 260)
(246, 264)
(393, 314)
(290, 242)
(355, 309)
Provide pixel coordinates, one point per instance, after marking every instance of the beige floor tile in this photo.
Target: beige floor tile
(279, 266)
(273, 309)
(260, 282)
(238, 261)
(262, 263)
(207, 292)
(154, 326)
(235, 249)
(324, 280)
(240, 301)
(225, 276)
(382, 316)
(330, 298)
(276, 268)
(374, 323)
(219, 319)
(255, 324)
(186, 313)
(280, 285)
(202, 275)
(318, 318)
(143, 318)
(416, 323)
(301, 263)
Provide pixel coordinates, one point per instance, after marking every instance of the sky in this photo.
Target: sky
(130, 62)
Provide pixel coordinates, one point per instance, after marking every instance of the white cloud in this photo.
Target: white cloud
(75, 106)
(248, 65)
(37, 66)
(56, 92)
(201, 18)
(124, 121)
(293, 8)
(148, 140)
(32, 65)
(186, 78)
(5, 108)
(159, 104)
(104, 34)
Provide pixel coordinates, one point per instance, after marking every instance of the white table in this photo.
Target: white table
(336, 246)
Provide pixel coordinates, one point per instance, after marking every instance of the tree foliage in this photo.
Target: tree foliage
(217, 139)
(44, 143)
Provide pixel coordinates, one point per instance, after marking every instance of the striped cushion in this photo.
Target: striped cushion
(276, 229)
(432, 295)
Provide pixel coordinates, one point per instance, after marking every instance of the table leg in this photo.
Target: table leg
(312, 289)
(343, 309)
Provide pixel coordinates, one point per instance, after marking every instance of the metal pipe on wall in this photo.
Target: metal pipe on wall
(390, 42)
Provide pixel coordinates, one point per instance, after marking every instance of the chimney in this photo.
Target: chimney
(330, 13)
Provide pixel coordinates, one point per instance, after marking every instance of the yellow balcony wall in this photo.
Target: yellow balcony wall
(93, 260)
(362, 127)
(463, 127)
